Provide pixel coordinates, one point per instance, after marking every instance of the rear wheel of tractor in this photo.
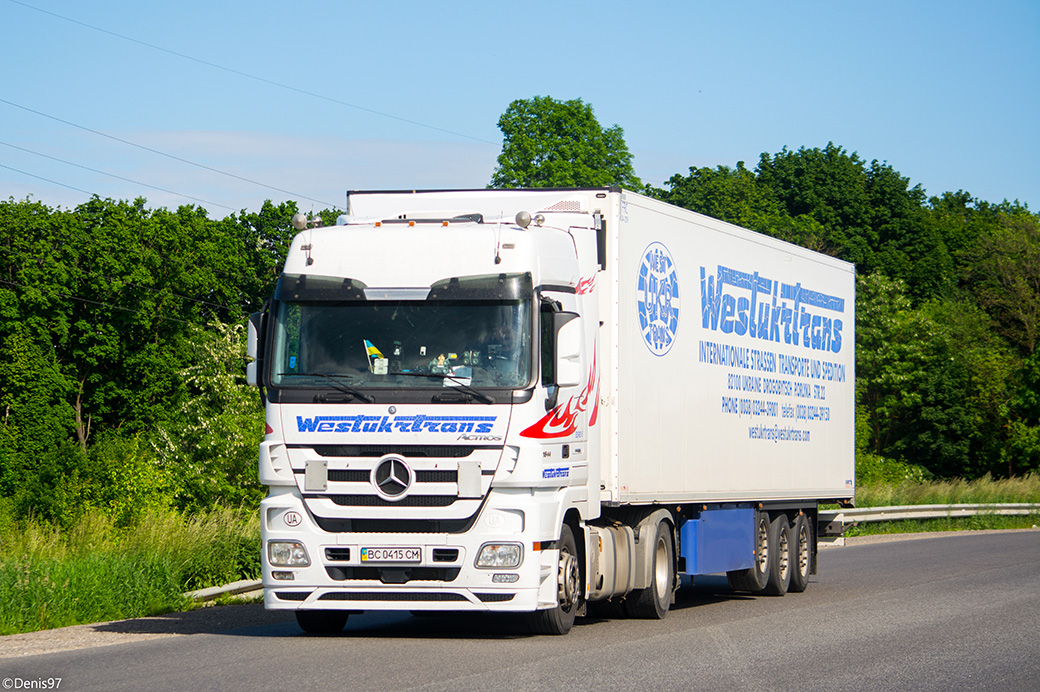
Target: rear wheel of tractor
(756, 577)
(569, 590)
(779, 556)
(321, 621)
(801, 555)
(653, 602)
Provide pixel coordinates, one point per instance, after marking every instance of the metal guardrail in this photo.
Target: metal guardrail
(246, 586)
(833, 523)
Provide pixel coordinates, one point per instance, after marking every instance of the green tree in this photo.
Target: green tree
(736, 195)
(551, 143)
(1003, 269)
(209, 442)
(870, 215)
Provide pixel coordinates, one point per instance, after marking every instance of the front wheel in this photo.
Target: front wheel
(569, 590)
(653, 602)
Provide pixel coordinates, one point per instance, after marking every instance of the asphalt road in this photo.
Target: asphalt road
(945, 613)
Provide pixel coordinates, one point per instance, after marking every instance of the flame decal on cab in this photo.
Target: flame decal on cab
(562, 421)
(586, 285)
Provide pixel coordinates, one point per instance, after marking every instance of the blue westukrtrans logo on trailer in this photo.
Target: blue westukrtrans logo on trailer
(657, 294)
(753, 306)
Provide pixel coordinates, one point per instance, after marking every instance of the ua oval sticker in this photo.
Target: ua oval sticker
(657, 295)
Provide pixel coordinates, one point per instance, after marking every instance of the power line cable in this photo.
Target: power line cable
(234, 311)
(46, 180)
(162, 291)
(96, 302)
(163, 153)
(255, 77)
(117, 177)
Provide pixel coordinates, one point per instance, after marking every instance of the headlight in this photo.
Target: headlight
(287, 554)
(500, 556)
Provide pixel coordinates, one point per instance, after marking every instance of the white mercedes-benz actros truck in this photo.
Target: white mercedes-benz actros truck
(533, 400)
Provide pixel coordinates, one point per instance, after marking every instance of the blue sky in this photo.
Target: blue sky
(306, 100)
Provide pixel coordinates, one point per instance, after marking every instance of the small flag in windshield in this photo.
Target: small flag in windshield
(373, 356)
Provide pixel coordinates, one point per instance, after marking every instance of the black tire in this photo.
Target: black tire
(570, 590)
(653, 602)
(779, 556)
(801, 554)
(755, 578)
(322, 621)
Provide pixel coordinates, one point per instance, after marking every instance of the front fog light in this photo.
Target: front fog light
(287, 554)
(505, 578)
(500, 556)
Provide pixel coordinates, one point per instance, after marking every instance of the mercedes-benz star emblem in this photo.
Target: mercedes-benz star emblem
(392, 477)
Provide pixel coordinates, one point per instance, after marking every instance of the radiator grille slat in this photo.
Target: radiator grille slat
(417, 596)
(376, 451)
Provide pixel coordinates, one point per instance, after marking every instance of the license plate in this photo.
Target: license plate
(391, 554)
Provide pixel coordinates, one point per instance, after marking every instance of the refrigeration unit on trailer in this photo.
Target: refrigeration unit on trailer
(536, 400)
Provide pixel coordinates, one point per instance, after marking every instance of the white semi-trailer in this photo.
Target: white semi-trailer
(533, 400)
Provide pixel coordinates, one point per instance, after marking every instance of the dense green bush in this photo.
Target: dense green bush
(94, 569)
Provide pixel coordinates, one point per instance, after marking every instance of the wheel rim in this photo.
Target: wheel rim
(803, 550)
(661, 567)
(784, 555)
(762, 562)
(567, 591)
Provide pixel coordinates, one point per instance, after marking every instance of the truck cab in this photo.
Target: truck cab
(429, 390)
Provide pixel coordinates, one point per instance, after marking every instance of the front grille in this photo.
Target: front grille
(393, 575)
(361, 476)
(495, 597)
(436, 476)
(376, 501)
(376, 451)
(337, 554)
(334, 525)
(346, 476)
(291, 595)
(445, 554)
(377, 596)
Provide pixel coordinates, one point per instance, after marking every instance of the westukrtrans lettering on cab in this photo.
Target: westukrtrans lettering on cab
(388, 424)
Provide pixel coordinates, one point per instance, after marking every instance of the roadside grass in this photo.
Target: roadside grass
(96, 570)
(916, 491)
(985, 490)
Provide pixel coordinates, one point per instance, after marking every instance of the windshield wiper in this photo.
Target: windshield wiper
(458, 383)
(345, 388)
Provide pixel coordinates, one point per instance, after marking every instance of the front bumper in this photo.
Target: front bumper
(444, 577)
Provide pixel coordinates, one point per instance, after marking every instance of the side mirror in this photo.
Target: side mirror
(253, 347)
(568, 349)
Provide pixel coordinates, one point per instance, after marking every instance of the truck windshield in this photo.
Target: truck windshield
(402, 344)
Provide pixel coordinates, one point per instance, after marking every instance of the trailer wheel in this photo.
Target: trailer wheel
(801, 556)
(321, 621)
(756, 577)
(569, 590)
(779, 557)
(652, 603)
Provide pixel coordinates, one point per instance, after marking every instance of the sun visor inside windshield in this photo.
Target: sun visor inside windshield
(303, 287)
(486, 287)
